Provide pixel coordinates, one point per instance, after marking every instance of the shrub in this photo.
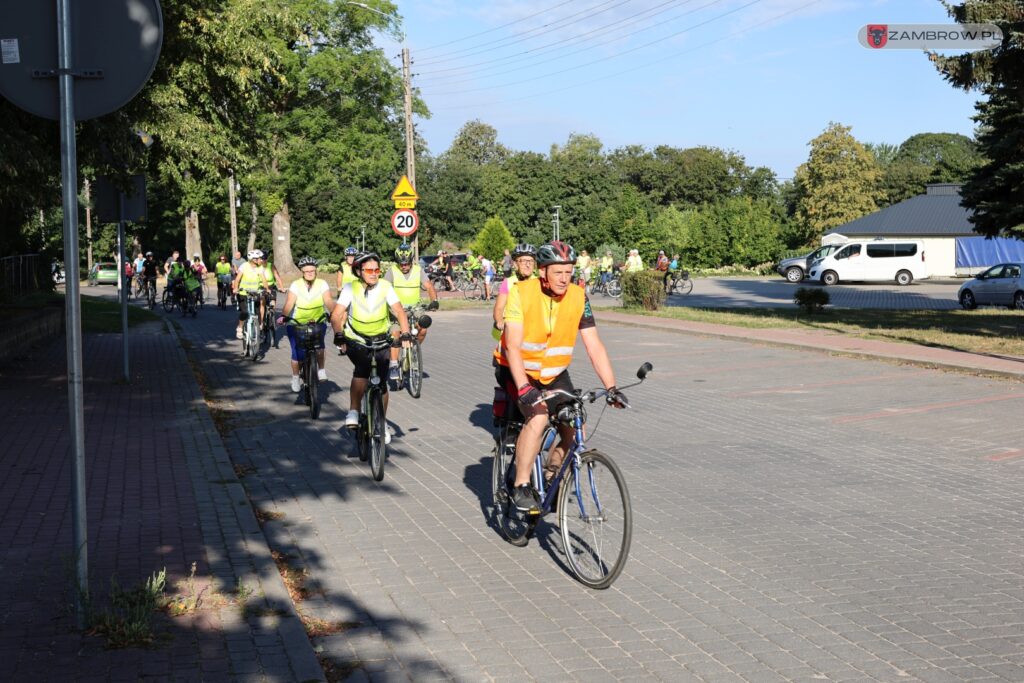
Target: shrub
(812, 300)
(645, 289)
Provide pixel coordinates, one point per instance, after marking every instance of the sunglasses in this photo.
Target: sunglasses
(371, 271)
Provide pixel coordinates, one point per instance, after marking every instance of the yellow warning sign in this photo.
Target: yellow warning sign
(404, 190)
(405, 203)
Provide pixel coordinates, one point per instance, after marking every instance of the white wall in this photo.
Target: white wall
(940, 255)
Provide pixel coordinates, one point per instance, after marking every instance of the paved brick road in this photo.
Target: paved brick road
(798, 517)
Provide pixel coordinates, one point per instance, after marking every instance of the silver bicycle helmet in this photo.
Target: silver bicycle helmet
(524, 249)
(308, 261)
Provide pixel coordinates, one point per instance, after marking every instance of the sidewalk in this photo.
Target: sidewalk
(832, 342)
(161, 493)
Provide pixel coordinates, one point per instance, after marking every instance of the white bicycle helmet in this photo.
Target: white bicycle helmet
(255, 254)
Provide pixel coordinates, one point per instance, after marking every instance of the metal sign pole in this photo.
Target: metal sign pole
(126, 283)
(73, 306)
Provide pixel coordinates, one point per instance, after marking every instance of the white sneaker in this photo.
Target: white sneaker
(387, 434)
(238, 333)
(352, 419)
(321, 374)
(295, 383)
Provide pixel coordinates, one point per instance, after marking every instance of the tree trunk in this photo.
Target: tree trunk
(136, 247)
(281, 233)
(252, 226)
(193, 240)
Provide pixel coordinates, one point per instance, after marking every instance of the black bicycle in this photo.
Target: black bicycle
(587, 489)
(268, 326)
(410, 360)
(223, 289)
(679, 282)
(372, 431)
(307, 337)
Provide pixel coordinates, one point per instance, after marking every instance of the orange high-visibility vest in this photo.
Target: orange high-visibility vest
(546, 352)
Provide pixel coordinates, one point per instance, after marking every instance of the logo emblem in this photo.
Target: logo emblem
(878, 35)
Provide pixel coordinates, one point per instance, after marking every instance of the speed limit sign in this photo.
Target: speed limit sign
(404, 222)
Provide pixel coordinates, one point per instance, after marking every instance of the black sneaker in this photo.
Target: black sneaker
(526, 499)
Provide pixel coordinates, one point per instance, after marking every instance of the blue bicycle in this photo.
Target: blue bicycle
(588, 491)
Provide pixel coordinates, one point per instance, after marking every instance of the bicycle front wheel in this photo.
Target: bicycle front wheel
(513, 524)
(377, 426)
(168, 301)
(414, 371)
(312, 385)
(614, 288)
(595, 519)
(683, 286)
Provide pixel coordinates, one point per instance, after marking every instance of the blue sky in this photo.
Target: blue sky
(761, 77)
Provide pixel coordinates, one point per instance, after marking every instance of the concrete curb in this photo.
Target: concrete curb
(912, 354)
(210, 460)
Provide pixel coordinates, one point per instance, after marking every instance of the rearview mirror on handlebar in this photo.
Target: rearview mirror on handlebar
(644, 369)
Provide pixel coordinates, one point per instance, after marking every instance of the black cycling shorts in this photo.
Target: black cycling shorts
(361, 358)
(503, 375)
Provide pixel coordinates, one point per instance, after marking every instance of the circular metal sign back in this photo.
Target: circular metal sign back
(115, 45)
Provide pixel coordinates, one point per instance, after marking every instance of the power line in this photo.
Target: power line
(537, 52)
(546, 28)
(605, 59)
(623, 72)
(496, 28)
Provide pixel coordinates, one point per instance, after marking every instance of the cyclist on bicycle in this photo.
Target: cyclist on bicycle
(150, 271)
(192, 284)
(407, 280)
(250, 281)
(361, 318)
(176, 278)
(606, 267)
(542, 319)
(524, 260)
(309, 298)
(222, 269)
(345, 274)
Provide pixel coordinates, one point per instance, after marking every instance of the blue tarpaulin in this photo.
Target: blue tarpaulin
(979, 252)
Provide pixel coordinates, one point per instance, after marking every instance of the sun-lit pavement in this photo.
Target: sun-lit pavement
(798, 517)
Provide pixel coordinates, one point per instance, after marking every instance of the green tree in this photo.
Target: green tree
(753, 230)
(928, 158)
(839, 182)
(708, 244)
(493, 239)
(993, 189)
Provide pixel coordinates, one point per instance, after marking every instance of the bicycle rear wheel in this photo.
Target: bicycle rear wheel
(614, 288)
(168, 302)
(312, 385)
(514, 525)
(413, 370)
(377, 426)
(683, 286)
(595, 520)
(473, 290)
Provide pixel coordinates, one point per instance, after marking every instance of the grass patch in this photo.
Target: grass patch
(264, 516)
(294, 579)
(461, 305)
(101, 315)
(316, 628)
(991, 332)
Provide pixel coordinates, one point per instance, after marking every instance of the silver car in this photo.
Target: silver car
(1000, 285)
(795, 269)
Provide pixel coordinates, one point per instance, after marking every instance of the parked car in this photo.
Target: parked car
(1000, 285)
(873, 261)
(796, 268)
(103, 273)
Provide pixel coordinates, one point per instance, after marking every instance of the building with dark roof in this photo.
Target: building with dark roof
(937, 219)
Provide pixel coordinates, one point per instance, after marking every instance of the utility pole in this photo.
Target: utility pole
(88, 224)
(557, 233)
(234, 216)
(410, 141)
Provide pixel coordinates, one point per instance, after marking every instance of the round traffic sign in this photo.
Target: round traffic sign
(115, 43)
(404, 222)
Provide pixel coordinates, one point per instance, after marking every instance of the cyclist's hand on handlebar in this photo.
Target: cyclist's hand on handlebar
(406, 340)
(529, 396)
(280, 320)
(616, 398)
(339, 340)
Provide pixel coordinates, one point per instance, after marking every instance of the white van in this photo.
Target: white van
(879, 260)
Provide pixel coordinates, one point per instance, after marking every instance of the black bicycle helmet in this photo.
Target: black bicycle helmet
(308, 261)
(524, 249)
(403, 254)
(362, 258)
(556, 252)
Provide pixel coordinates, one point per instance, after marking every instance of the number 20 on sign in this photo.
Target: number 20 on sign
(404, 222)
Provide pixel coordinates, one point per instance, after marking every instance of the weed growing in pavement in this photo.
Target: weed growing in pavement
(128, 621)
(336, 671)
(264, 516)
(242, 471)
(316, 628)
(242, 592)
(189, 599)
(294, 579)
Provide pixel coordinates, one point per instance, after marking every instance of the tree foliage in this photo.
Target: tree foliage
(838, 183)
(493, 239)
(994, 189)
